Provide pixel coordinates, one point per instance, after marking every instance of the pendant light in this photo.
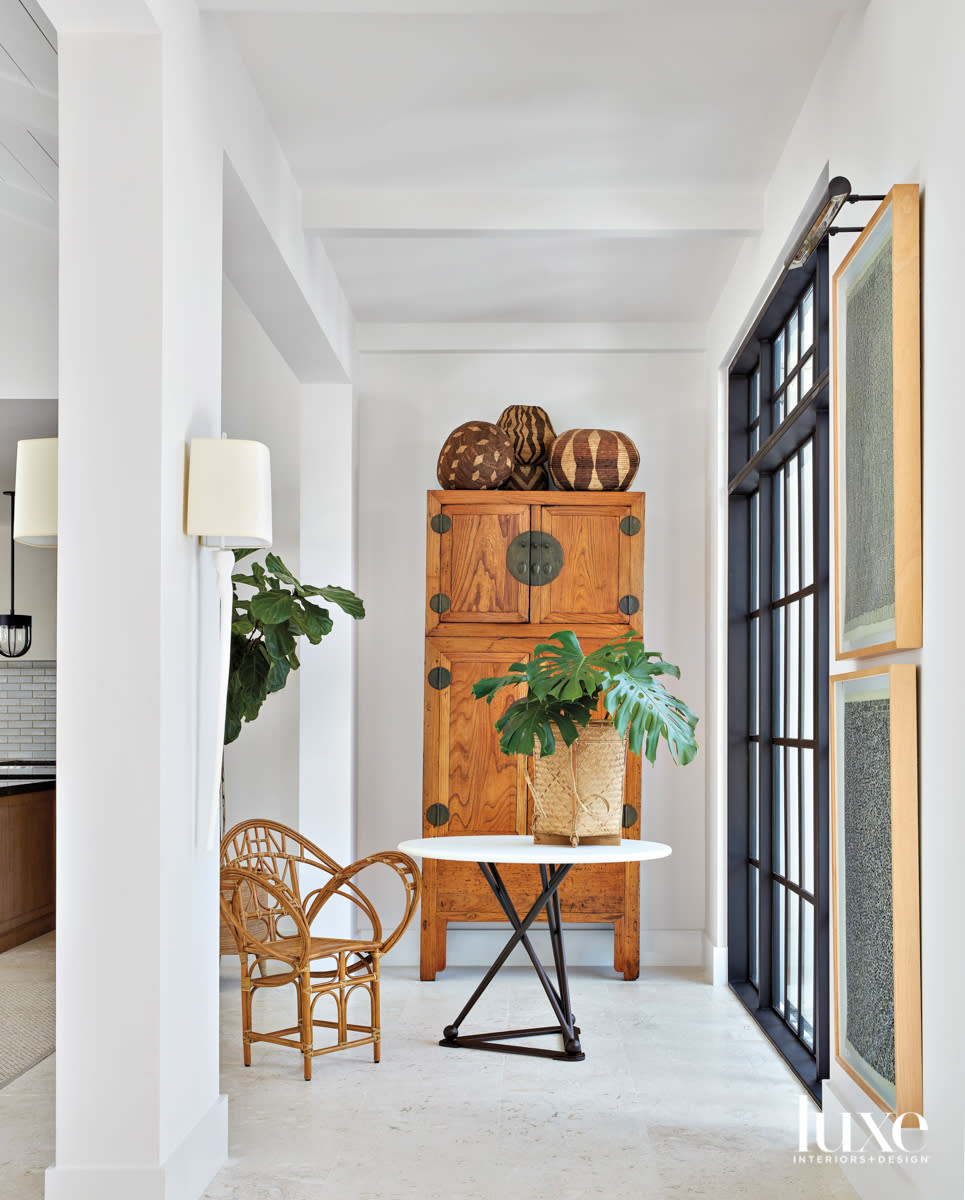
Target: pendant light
(15, 630)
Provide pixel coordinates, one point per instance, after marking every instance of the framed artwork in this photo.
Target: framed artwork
(875, 885)
(876, 316)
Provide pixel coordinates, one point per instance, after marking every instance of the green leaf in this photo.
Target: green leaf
(562, 670)
(280, 643)
(643, 710)
(530, 719)
(312, 621)
(240, 554)
(273, 607)
(278, 675)
(248, 580)
(487, 688)
(346, 600)
(243, 625)
(274, 564)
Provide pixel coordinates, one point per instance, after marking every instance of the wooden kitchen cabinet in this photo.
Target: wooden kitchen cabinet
(479, 620)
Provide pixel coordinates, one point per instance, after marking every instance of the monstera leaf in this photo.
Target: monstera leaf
(564, 688)
(265, 627)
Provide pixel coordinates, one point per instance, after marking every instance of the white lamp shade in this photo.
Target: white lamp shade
(35, 513)
(229, 493)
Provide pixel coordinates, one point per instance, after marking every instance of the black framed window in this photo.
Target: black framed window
(778, 671)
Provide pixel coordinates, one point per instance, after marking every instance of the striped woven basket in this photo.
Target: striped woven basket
(578, 791)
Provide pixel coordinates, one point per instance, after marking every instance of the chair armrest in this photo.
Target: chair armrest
(404, 866)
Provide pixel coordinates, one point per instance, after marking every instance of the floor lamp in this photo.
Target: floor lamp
(229, 508)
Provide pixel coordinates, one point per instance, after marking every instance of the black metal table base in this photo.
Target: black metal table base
(557, 993)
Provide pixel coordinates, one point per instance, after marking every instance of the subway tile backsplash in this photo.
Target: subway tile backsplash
(28, 696)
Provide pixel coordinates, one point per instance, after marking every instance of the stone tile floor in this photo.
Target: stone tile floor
(679, 1095)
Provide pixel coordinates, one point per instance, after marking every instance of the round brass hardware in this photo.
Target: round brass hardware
(630, 526)
(441, 523)
(437, 814)
(535, 558)
(439, 602)
(629, 605)
(439, 678)
(629, 816)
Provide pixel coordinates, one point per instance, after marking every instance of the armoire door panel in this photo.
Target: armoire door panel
(473, 573)
(483, 789)
(594, 577)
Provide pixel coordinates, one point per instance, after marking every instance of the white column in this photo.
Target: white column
(327, 777)
(138, 1110)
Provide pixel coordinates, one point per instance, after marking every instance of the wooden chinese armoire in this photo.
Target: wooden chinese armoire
(505, 570)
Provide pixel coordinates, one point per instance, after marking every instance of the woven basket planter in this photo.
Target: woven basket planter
(578, 791)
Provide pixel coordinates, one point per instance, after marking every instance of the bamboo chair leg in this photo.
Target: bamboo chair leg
(246, 1012)
(304, 985)
(376, 1009)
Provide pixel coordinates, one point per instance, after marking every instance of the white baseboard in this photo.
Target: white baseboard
(478, 946)
(183, 1176)
(714, 961)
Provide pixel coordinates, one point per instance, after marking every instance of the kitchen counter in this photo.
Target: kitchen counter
(13, 785)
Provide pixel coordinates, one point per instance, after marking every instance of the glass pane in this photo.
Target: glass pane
(754, 755)
(777, 811)
(807, 320)
(753, 922)
(777, 947)
(793, 818)
(793, 528)
(790, 340)
(807, 819)
(755, 442)
(807, 667)
(754, 535)
(807, 512)
(807, 974)
(777, 683)
(778, 354)
(778, 535)
(755, 394)
(790, 396)
(753, 702)
(792, 727)
(806, 374)
(791, 1013)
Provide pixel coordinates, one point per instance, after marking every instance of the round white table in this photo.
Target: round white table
(554, 864)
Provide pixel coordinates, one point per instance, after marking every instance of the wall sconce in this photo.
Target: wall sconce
(16, 630)
(228, 508)
(837, 192)
(35, 523)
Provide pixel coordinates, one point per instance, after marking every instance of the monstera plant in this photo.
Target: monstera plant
(265, 628)
(564, 687)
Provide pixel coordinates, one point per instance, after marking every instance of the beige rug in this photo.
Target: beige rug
(27, 989)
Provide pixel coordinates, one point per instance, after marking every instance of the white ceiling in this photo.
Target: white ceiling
(28, 113)
(421, 137)
(481, 160)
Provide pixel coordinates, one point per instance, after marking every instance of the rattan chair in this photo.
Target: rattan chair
(271, 905)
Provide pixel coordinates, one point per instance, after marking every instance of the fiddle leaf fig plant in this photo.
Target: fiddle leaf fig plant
(564, 687)
(265, 627)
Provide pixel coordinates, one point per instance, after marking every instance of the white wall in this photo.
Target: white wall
(28, 407)
(881, 112)
(261, 401)
(408, 404)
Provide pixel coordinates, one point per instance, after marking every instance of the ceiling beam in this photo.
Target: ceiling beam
(378, 212)
(21, 104)
(522, 7)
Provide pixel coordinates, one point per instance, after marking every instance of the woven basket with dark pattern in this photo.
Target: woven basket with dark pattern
(593, 460)
(532, 435)
(477, 454)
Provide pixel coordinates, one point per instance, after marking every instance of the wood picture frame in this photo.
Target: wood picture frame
(876, 320)
(875, 884)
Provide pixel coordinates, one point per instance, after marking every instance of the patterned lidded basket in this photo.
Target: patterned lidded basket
(578, 791)
(593, 460)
